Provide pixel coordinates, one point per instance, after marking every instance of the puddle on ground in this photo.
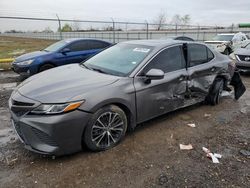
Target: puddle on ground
(8, 86)
(6, 136)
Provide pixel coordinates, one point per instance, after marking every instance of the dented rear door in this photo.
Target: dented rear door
(202, 70)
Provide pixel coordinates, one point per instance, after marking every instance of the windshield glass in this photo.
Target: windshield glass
(56, 46)
(119, 60)
(223, 37)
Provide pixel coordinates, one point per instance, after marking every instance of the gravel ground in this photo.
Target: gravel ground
(148, 157)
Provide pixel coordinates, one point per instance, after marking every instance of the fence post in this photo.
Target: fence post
(60, 28)
(146, 29)
(198, 33)
(113, 30)
(176, 29)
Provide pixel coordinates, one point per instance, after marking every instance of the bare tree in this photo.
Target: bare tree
(75, 26)
(160, 20)
(177, 19)
(186, 19)
(181, 20)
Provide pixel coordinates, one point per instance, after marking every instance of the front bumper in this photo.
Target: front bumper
(53, 134)
(22, 70)
(243, 65)
(48, 134)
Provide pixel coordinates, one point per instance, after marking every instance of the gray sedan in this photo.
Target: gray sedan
(96, 102)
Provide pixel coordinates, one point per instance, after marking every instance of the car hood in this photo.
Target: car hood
(31, 55)
(60, 85)
(242, 51)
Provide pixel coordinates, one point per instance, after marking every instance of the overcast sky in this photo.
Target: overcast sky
(202, 12)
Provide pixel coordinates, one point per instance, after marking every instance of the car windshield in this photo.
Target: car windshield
(56, 46)
(223, 37)
(119, 60)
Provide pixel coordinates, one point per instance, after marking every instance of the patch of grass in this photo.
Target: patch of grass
(11, 47)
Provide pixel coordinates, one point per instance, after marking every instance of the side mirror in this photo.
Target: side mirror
(155, 74)
(65, 50)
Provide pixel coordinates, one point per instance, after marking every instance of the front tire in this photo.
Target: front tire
(106, 128)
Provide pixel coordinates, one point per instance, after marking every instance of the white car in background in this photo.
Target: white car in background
(228, 42)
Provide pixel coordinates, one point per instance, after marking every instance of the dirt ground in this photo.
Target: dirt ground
(148, 157)
(10, 47)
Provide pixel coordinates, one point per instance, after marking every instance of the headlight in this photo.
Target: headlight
(56, 108)
(28, 62)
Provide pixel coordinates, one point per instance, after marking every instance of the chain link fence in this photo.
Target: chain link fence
(112, 31)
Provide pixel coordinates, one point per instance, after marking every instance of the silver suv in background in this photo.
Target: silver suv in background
(228, 42)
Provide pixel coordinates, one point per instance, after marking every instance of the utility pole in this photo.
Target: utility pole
(146, 28)
(113, 30)
(60, 28)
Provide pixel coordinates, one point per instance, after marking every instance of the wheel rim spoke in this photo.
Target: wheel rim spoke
(98, 127)
(116, 129)
(99, 138)
(108, 136)
(113, 119)
(117, 125)
(112, 138)
(99, 121)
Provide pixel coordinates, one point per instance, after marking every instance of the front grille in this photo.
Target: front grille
(243, 57)
(44, 137)
(21, 113)
(19, 103)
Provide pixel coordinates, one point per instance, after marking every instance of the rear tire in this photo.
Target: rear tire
(214, 95)
(106, 128)
(46, 67)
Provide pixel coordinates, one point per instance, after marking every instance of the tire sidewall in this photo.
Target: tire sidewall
(214, 95)
(220, 89)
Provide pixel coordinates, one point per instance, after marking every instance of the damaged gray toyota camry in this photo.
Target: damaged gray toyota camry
(95, 103)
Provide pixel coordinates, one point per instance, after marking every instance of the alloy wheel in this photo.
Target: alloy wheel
(107, 130)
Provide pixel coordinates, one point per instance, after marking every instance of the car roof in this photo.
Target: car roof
(81, 39)
(226, 34)
(157, 43)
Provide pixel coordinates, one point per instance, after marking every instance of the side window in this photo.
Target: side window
(199, 54)
(210, 54)
(78, 46)
(168, 60)
(97, 45)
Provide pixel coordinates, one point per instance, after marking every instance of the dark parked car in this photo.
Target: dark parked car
(242, 58)
(60, 53)
(183, 38)
(96, 102)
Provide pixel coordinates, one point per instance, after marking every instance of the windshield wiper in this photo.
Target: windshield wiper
(99, 70)
(85, 66)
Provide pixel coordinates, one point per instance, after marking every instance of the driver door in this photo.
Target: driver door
(156, 97)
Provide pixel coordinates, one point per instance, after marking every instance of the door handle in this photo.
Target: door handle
(212, 69)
